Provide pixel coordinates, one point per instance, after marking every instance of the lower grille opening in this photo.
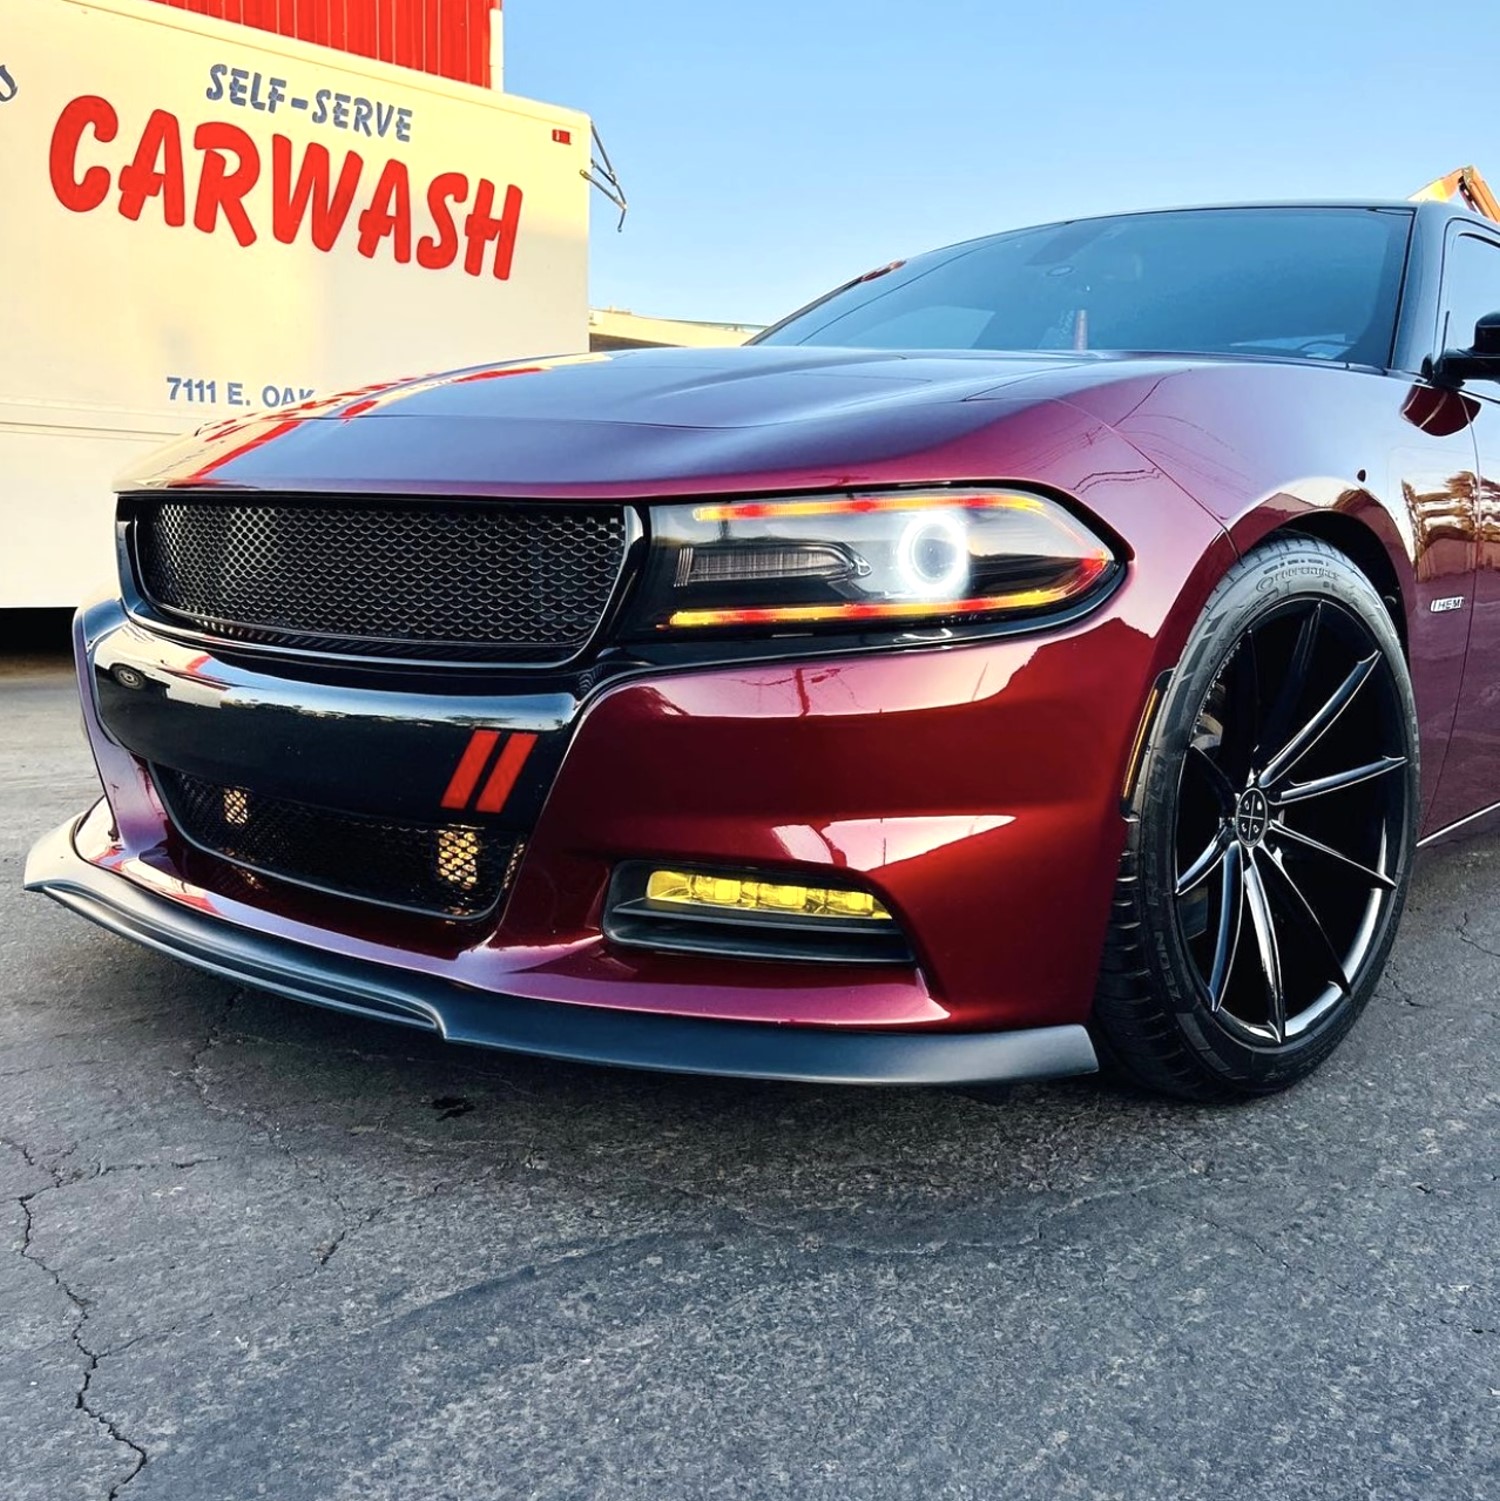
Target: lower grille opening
(636, 918)
(437, 870)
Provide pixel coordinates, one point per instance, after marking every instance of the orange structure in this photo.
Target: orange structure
(1463, 186)
(452, 38)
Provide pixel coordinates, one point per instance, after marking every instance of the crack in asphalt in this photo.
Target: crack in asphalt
(31, 1159)
(142, 1459)
(1404, 995)
(1235, 1232)
(354, 1220)
(209, 1043)
(730, 1218)
(81, 1307)
(324, 1254)
(80, 1304)
(727, 1219)
(1285, 1264)
(1461, 930)
(109, 1169)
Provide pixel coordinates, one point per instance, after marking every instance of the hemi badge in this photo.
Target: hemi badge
(502, 778)
(1452, 602)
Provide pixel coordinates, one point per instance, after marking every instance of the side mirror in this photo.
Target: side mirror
(1479, 362)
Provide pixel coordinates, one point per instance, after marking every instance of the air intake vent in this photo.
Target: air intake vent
(442, 870)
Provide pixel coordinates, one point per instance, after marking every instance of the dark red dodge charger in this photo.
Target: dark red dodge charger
(1021, 657)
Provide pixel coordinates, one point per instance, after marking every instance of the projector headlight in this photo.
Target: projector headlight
(904, 557)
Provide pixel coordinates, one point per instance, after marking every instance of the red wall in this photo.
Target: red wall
(447, 37)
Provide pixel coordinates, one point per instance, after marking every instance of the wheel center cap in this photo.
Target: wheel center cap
(1251, 815)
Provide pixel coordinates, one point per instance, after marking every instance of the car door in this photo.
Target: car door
(1471, 771)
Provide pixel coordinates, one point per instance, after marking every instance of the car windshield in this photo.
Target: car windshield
(1305, 283)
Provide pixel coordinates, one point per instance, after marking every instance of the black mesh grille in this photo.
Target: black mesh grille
(445, 580)
(449, 870)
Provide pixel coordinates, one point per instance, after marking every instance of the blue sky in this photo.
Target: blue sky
(772, 150)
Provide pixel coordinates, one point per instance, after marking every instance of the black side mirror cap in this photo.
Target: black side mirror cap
(1487, 335)
(1479, 362)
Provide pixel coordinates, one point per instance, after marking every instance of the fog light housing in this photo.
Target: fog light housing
(747, 915)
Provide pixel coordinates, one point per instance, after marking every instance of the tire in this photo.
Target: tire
(1194, 999)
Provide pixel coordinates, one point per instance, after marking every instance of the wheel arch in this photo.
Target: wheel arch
(1360, 543)
(1368, 538)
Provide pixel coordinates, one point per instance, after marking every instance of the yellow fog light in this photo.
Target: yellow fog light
(236, 807)
(695, 889)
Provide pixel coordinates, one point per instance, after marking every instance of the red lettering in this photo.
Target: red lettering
(220, 189)
(389, 213)
(480, 228)
(291, 200)
(510, 227)
(161, 143)
(306, 198)
(439, 250)
(87, 192)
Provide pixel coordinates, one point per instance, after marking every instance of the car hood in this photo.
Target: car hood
(637, 422)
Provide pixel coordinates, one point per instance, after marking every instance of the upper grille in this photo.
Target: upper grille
(445, 870)
(429, 581)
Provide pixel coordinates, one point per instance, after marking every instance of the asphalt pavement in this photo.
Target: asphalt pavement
(260, 1250)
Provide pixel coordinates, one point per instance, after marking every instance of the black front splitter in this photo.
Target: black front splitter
(575, 1033)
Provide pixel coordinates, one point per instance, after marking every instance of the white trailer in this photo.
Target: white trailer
(198, 219)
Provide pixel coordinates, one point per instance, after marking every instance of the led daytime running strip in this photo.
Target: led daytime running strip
(1089, 570)
(864, 505)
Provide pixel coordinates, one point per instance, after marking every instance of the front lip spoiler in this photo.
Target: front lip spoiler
(579, 1034)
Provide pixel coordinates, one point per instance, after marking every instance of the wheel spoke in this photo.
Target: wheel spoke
(1243, 711)
(1280, 831)
(1278, 726)
(1231, 913)
(1214, 774)
(1270, 953)
(1316, 727)
(1287, 895)
(1299, 792)
(1203, 866)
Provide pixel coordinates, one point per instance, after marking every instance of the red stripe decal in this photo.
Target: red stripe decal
(503, 777)
(471, 764)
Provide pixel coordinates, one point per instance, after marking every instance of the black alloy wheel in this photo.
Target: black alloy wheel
(1267, 862)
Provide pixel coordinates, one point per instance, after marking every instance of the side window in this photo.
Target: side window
(1471, 288)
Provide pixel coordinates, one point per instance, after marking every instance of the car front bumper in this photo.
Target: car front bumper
(185, 928)
(976, 792)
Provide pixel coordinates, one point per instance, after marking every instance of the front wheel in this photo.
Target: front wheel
(1268, 858)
